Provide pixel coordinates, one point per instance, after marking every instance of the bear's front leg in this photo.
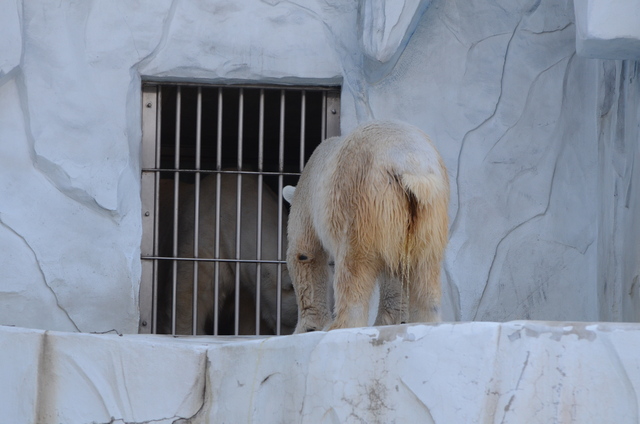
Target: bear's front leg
(310, 272)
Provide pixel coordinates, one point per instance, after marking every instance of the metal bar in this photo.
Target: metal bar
(149, 198)
(216, 271)
(176, 197)
(146, 298)
(220, 260)
(156, 212)
(158, 128)
(222, 171)
(236, 315)
(248, 84)
(323, 118)
(149, 126)
(332, 113)
(259, 218)
(196, 228)
(280, 181)
(303, 121)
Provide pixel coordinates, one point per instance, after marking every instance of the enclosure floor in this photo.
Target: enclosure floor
(521, 371)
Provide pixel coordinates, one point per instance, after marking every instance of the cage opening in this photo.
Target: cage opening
(214, 244)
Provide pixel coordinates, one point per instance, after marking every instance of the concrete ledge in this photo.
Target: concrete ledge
(463, 372)
(608, 29)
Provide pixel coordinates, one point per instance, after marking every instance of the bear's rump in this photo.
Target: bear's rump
(371, 218)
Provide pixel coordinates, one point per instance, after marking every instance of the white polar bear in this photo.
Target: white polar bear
(206, 249)
(375, 202)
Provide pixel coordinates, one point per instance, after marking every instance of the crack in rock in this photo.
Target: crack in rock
(44, 278)
(205, 405)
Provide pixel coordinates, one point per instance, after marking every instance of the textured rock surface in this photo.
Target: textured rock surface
(506, 104)
(540, 143)
(10, 37)
(531, 372)
(619, 198)
(70, 130)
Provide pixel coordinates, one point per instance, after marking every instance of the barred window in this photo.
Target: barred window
(214, 161)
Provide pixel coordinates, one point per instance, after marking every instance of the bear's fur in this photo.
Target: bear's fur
(206, 249)
(375, 202)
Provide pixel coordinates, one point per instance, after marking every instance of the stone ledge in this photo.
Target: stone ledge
(523, 371)
(608, 30)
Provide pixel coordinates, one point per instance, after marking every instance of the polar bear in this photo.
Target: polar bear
(206, 249)
(375, 203)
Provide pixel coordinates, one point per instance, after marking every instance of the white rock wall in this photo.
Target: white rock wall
(70, 134)
(540, 143)
(508, 102)
(610, 30)
(516, 372)
(619, 198)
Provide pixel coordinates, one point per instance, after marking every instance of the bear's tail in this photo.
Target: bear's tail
(423, 193)
(425, 189)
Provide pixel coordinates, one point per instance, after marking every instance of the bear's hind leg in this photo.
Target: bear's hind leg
(424, 294)
(392, 309)
(354, 281)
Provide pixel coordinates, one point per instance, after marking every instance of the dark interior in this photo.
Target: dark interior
(250, 128)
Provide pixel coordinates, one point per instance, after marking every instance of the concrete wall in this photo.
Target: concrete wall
(540, 143)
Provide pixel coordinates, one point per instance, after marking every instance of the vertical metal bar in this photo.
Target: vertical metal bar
(196, 229)
(176, 197)
(149, 200)
(156, 212)
(280, 180)
(259, 220)
(303, 121)
(332, 113)
(216, 273)
(323, 119)
(236, 324)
